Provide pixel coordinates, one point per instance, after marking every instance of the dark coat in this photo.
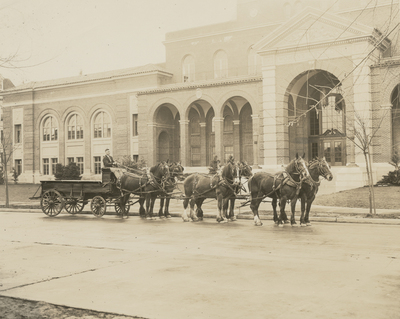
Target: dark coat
(108, 161)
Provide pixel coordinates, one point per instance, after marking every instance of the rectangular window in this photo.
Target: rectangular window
(79, 132)
(135, 158)
(54, 162)
(17, 134)
(338, 152)
(97, 131)
(80, 164)
(314, 123)
(70, 160)
(327, 151)
(71, 132)
(97, 164)
(18, 166)
(46, 166)
(134, 125)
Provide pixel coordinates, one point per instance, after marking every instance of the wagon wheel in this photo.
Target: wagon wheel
(52, 203)
(74, 205)
(120, 209)
(98, 206)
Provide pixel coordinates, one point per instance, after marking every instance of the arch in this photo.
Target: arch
(74, 126)
(220, 64)
(205, 102)
(235, 95)
(50, 129)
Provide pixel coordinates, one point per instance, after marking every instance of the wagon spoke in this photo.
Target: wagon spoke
(52, 203)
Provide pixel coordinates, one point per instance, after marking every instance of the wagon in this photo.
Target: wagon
(73, 195)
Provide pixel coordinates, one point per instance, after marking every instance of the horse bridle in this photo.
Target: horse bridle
(321, 171)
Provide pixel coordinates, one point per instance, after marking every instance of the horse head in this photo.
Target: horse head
(298, 166)
(230, 172)
(176, 170)
(245, 170)
(322, 167)
(160, 171)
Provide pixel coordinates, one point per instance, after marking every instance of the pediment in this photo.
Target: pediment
(312, 27)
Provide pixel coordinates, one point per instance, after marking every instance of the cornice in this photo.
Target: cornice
(194, 85)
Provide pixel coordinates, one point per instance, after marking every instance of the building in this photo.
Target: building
(285, 77)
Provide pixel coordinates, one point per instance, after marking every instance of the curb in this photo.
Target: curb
(328, 219)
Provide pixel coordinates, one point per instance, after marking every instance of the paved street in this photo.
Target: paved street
(170, 269)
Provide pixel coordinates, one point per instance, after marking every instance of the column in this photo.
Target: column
(184, 125)
(236, 140)
(256, 129)
(152, 144)
(203, 145)
(219, 133)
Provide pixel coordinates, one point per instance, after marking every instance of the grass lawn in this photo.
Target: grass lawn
(385, 196)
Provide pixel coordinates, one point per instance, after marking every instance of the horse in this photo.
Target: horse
(283, 186)
(245, 171)
(147, 185)
(309, 188)
(221, 186)
(175, 171)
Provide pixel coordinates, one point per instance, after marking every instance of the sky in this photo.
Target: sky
(50, 39)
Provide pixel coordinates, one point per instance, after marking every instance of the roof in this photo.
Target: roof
(148, 68)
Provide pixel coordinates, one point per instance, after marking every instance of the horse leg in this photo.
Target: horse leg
(231, 215)
(293, 207)
(166, 209)
(309, 203)
(160, 211)
(274, 204)
(303, 208)
(142, 210)
(185, 216)
(225, 203)
(219, 205)
(199, 202)
(149, 208)
(254, 204)
(282, 214)
(193, 215)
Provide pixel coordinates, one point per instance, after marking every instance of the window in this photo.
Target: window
(54, 162)
(188, 69)
(332, 117)
(18, 166)
(70, 160)
(97, 164)
(195, 125)
(46, 166)
(50, 129)
(75, 127)
(79, 161)
(314, 122)
(134, 125)
(102, 125)
(17, 134)
(135, 158)
(220, 65)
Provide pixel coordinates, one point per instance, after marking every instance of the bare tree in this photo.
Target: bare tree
(7, 148)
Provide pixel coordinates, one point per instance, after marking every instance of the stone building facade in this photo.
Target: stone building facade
(284, 77)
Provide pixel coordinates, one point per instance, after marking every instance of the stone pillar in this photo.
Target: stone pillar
(236, 140)
(256, 131)
(152, 143)
(219, 133)
(273, 151)
(184, 142)
(203, 146)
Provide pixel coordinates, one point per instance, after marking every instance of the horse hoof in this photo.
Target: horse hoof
(280, 225)
(200, 219)
(258, 224)
(303, 225)
(286, 221)
(309, 224)
(168, 216)
(233, 219)
(150, 218)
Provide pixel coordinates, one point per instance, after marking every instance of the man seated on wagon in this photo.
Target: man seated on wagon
(108, 161)
(214, 165)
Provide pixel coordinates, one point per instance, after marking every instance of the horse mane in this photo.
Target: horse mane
(290, 168)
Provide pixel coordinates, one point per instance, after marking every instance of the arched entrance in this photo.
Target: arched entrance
(167, 133)
(317, 111)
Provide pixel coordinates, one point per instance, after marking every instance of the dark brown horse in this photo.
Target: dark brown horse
(147, 185)
(220, 186)
(283, 186)
(309, 187)
(175, 174)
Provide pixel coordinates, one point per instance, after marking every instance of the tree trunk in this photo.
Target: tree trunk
(369, 180)
(372, 183)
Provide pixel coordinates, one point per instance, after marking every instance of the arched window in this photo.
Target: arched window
(102, 125)
(188, 69)
(195, 124)
(75, 127)
(220, 65)
(50, 129)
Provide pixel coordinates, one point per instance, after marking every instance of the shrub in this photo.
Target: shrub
(14, 175)
(1, 177)
(126, 161)
(393, 177)
(68, 172)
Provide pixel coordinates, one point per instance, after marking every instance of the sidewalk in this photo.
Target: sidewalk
(318, 213)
